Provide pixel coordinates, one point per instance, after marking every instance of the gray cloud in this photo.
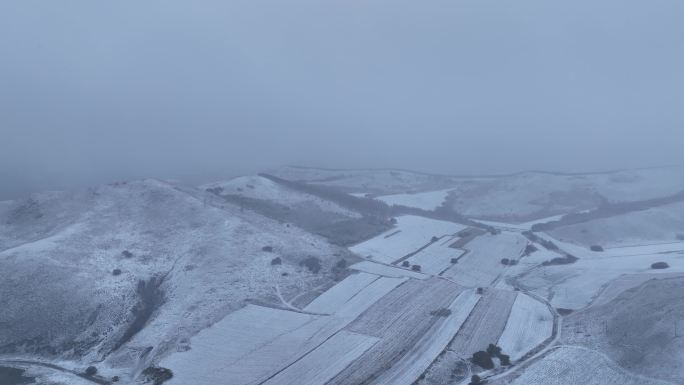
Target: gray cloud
(93, 91)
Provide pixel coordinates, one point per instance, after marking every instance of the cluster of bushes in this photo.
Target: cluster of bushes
(215, 190)
(596, 248)
(475, 380)
(408, 264)
(660, 265)
(156, 375)
(548, 245)
(484, 358)
(564, 260)
(529, 249)
(311, 263)
(509, 262)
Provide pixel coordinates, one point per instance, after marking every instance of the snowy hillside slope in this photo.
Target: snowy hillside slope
(258, 187)
(515, 198)
(114, 270)
(319, 215)
(657, 224)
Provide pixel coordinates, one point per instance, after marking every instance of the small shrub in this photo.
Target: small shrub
(505, 359)
(493, 350)
(285, 274)
(529, 249)
(505, 261)
(660, 265)
(341, 264)
(480, 290)
(115, 379)
(563, 311)
(116, 272)
(483, 360)
(435, 239)
(91, 371)
(215, 190)
(415, 267)
(276, 261)
(405, 264)
(596, 248)
(454, 260)
(268, 249)
(565, 260)
(475, 380)
(312, 263)
(127, 254)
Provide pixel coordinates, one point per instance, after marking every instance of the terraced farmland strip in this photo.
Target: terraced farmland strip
(530, 323)
(400, 320)
(482, 265)
(485, 324)
(422, 354)
(326, 361)
(338, 295)
(386, 271)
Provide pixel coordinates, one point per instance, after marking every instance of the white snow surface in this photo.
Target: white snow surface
(255, 343)
(326, 361)
(574, 286)
(410, 234)
(481, 266)
(335, 297)
(436, 258)
(529, 324)
(387, 271)
(574, 365)
(409, 368)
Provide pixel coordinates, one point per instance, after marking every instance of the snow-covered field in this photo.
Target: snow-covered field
(229, 340)
(481, 266)
(324, 362)
(335, 297)
(573, 365)
(411, 233)
(254, 343)
(437, 257)
(386, 271)
(485, 323)
(529, 324)
(418, 359)
(644, 248)
(429, 200)
(574, 286)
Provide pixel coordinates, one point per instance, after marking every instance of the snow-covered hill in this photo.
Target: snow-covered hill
(114, 270)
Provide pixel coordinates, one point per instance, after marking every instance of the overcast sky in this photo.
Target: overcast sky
(94, 90)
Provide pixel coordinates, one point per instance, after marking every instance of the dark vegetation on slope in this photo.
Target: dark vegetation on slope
(609, 210)
(377, 210)
(338, 229)
(14, 376)
(150, 298)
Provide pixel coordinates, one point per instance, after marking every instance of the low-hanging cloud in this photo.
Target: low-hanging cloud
(95, 91)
